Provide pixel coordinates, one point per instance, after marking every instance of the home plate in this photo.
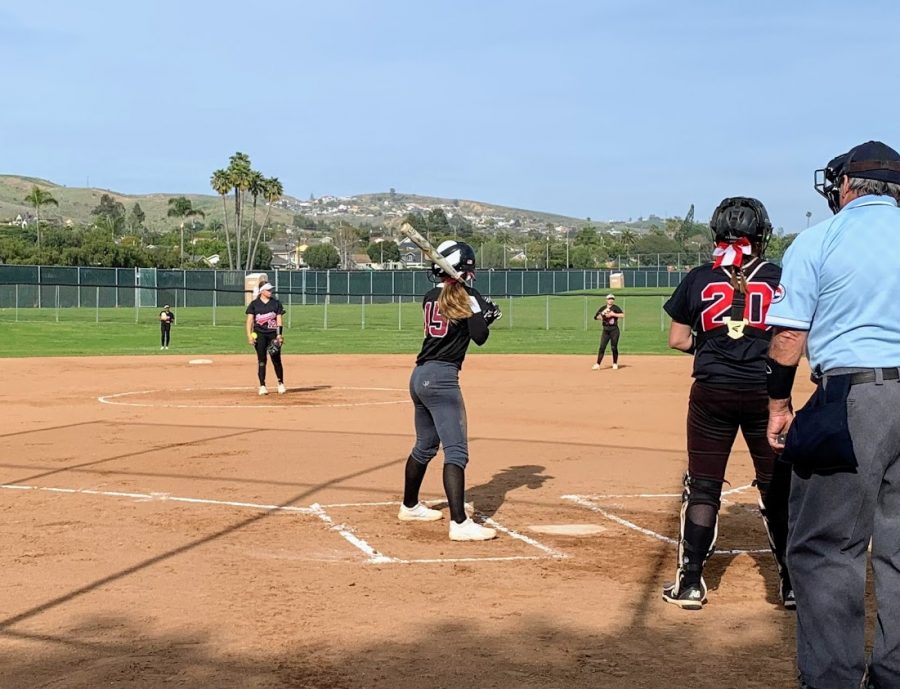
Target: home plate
(200, 361)
(568, 529)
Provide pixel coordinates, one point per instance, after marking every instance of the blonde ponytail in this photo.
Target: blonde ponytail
(453, 301)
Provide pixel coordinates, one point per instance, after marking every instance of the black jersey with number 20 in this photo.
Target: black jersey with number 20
(447, 340)
(704, 301)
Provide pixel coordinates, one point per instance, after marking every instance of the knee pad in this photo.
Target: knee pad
(698, 491)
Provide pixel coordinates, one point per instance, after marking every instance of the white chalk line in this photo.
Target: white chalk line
(534, 543)
(317, 510)
(114, 399)
(347, 534)
(609, 496)
(160, 497)
(586, 501)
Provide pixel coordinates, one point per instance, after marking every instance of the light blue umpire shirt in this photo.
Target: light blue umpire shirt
(841, 282)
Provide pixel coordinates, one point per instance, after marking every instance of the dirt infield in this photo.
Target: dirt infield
(161, 525)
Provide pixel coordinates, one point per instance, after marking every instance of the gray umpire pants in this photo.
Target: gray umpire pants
(440, 413)
(832, 520)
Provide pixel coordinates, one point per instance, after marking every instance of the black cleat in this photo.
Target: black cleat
(690, 597)
(786, 593)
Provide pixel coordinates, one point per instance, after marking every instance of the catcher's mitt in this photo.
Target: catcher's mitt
(274, 348)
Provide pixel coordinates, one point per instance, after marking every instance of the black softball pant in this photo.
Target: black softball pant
(263, 340)
(714, 417)
(610, 336)
(165, 334)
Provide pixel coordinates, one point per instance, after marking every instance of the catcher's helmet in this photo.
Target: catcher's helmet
(741, 216)
(871, 160)
(459, 255)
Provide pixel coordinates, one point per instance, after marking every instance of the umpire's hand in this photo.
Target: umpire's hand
(781, 416)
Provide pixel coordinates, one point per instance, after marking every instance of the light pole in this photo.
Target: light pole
(808, 216)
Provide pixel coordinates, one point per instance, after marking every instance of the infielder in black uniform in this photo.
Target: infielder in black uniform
(455, 314)
(265, 334)
(719, 314)
(166, 321)
(610, 315)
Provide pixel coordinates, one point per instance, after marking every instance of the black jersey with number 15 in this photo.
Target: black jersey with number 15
(728, 357)
(447, 340)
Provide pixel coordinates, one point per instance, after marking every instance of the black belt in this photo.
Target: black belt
(869, 376)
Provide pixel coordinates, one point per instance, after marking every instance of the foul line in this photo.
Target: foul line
(160, 497)
(586, 502)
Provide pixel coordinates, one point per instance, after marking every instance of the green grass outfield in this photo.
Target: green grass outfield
(532, 325)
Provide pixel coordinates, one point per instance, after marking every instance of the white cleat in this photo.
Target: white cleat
(595, 367)
(470, 531)
(615, 367)
(263, 390)
(420, 513)
(281, 389)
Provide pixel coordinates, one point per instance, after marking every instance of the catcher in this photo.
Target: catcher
(719, 315)
(265, 334)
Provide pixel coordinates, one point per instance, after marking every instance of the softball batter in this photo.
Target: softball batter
(719, 315)
(265, 334)
(455, 314)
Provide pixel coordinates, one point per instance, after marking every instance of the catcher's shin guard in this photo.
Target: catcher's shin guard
(775, 520)
(696, 544)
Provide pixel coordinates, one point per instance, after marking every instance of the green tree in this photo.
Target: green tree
(136, 218)
(385, 250)
(272, 191)
(38, 198)
(255, 185)
(240, 174)
(109, 208)
(322, 257)
(582, 257)
(221, 183)
(181, 207)
(437, 224)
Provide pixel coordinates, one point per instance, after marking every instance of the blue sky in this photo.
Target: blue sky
(600, 109)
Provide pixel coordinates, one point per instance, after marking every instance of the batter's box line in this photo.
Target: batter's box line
(375, 557)
(316, 510)
(587, 502)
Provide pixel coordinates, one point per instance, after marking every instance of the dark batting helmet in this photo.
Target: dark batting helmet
(741, 216)
(871, 160)
(459, 255)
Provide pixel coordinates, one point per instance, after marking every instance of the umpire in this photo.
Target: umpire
(840, 302)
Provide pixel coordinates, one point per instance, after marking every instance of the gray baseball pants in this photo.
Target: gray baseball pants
(832, 520)
(440, 413)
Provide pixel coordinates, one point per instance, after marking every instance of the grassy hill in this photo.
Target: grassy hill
(76, 203)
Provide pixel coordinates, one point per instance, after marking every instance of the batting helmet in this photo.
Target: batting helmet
(741, 216)
(871, 160)
(459, 255)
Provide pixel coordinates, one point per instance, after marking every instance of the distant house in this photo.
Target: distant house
(361, 262)
(411, 255)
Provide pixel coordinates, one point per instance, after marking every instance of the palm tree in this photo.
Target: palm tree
(222, 184)
(36, 199)
(255, 185)
(272, 191)
(181, 207)
(239, 171)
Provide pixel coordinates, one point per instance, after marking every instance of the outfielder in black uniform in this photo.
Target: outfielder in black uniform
(455, 314)
(719, 314)
(265, 335)
(166, 321)
(610, 315)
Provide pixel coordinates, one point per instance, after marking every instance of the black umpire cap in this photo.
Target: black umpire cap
(871, 160)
